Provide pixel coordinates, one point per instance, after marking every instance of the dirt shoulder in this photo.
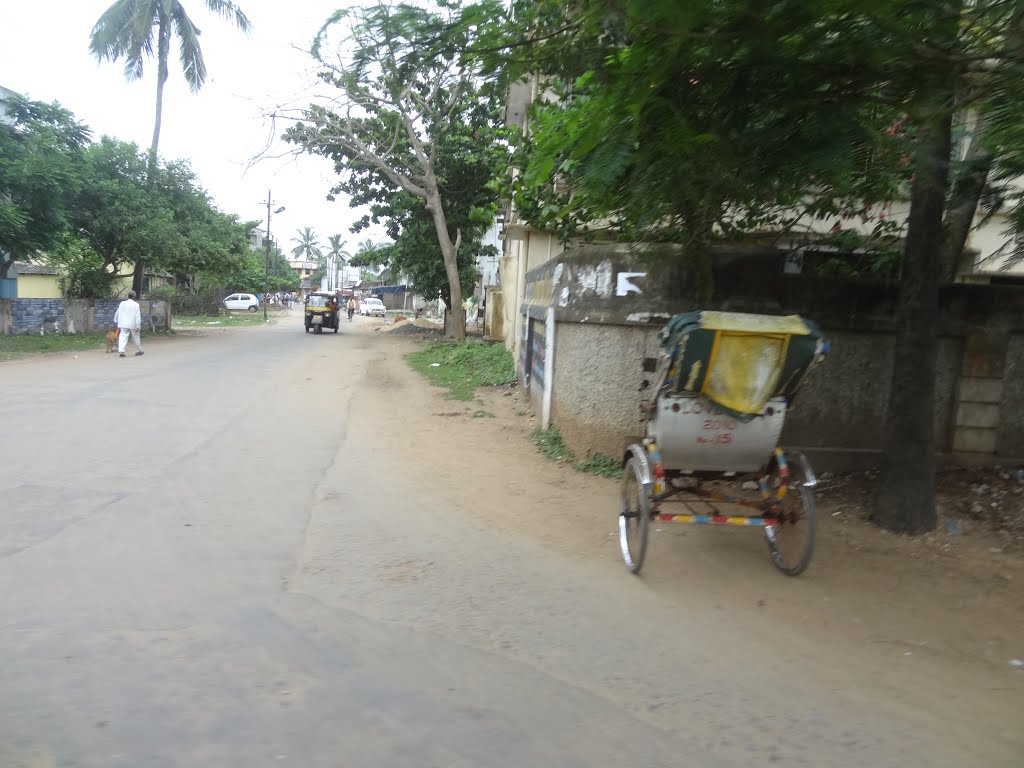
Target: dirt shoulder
(936, 621)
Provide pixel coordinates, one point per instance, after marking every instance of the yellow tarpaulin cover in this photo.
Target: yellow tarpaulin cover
(745, 368)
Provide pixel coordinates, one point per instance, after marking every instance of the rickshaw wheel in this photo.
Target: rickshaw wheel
(791, 541)
(318, 329)
(634, 517)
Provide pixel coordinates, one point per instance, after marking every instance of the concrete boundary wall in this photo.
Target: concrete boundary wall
(605, 325)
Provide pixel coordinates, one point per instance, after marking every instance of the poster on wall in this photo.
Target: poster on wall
(538, 347)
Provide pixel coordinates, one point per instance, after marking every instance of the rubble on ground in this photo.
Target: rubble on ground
(968, 499)
(418, 327)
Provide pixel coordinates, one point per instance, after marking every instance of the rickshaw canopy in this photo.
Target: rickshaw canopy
(739, 361)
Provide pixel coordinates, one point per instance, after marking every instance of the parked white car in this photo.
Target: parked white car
(242, 301)
(371, 307)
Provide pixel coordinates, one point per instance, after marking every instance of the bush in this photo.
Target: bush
(205, 301)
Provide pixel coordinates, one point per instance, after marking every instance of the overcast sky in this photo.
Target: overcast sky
(44, 55)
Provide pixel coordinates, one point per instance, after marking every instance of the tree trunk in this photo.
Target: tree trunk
(905, 500)
(163, 49)
(455, 327)
(966, 192)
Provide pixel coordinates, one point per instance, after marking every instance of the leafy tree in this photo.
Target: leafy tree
(690, 121)
(246, 272)
(405, 87)
(40, 171)
(83, 270)
(123, 209)
(129, 30)
(744, 140)
(115, 213)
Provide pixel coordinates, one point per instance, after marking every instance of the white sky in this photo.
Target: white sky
(44, 55)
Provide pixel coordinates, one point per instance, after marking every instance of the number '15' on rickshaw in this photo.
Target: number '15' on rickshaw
(721, 387)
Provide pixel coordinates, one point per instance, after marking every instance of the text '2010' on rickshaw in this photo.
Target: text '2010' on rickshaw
(722, 384)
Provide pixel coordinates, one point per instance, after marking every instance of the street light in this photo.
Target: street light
(266, 262)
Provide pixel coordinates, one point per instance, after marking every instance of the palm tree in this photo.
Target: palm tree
(127, 30)
(336, 255)
(308, 247)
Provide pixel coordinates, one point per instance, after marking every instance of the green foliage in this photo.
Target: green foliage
(743, 122)
(41, 170)
(462, 367)
(246, 273)
(122, 212)
(95, 209)
(83, 275)
(599, 464)
(549, 442)
(164, 292)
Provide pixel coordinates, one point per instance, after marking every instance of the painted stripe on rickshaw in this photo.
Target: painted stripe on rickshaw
(717, 520)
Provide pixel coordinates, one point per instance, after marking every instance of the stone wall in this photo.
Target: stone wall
(73, 315)
(103, 313)
(37, 315)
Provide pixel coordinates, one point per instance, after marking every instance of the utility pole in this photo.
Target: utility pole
(266, 262)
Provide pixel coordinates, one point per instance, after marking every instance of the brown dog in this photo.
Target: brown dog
(112, 340)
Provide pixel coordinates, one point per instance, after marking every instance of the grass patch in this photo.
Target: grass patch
(461, 368)
(223, 319)
(602, 465)
(549, 442)
(23, 344)
(551, 445)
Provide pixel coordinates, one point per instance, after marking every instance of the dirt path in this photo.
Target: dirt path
(925, 627)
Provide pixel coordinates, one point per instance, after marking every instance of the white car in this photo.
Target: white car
(242, 301)
(371, 307)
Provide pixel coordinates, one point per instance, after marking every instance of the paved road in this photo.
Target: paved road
(207, 559)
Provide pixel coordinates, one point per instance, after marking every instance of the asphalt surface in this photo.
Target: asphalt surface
(209, 558)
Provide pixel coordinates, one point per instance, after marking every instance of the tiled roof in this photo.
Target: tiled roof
(25, 268)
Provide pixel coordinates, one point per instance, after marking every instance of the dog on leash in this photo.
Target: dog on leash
(112, 340)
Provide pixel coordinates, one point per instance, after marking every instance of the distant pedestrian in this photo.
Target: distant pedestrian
(128, 319)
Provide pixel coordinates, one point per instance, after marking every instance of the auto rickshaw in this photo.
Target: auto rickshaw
(321, 311)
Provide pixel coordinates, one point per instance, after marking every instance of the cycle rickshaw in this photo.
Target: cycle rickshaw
(721, 388)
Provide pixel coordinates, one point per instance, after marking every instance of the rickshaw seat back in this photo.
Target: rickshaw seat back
(693, 434)
(739, 361)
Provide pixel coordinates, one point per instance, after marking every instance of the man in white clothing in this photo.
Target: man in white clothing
(128, 320)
